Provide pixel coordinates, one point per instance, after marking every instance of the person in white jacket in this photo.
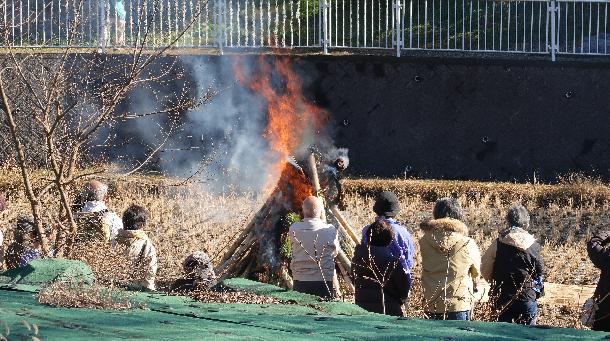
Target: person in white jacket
(314, 247)
(93, 207)
(139, 249)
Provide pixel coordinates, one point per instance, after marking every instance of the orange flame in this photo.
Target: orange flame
(289, 114)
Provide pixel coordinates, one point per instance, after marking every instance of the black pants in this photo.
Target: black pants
(523, 312)
(317, 288)
(602, 321)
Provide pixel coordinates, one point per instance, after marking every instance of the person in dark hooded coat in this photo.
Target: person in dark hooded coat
(381, 284)
(513, 266)
(599, 253)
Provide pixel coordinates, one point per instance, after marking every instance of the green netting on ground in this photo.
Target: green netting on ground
(181, 318)
(48, 270)
(336, 308)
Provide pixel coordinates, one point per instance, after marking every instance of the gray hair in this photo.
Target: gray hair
(448, 208)
(96, 191)
(312, 207)
(518, 216)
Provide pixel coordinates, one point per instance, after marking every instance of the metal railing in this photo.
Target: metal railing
(534, 26)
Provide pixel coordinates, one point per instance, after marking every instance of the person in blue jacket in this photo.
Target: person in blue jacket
(387, 208)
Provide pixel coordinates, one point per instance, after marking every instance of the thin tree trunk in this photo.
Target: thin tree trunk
(29, 191)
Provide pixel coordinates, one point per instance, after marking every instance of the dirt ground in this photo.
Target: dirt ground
(186, 218)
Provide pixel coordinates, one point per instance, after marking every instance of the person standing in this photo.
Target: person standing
(450, 263)
(387, 208)
(599, 253)
(380, 282)
(314, 247)
(513, 266)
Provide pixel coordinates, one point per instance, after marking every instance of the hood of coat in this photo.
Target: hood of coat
(127, 236)
(517, 237)
(445, 225)
(443, 234)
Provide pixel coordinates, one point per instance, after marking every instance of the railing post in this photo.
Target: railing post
(101, 25)
(220, 24)
(323, 25)
(553, 15)
(397, 26)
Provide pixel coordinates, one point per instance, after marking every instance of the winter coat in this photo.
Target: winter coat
(511, 264)
(385, 268)
(450, 266)
(110, 220)
(141, 252)
(599, 252)
(402, 246)
(313, 240)
(14, 253)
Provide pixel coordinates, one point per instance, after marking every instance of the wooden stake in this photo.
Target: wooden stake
(346, 277)
(343, 222)
(315, 180)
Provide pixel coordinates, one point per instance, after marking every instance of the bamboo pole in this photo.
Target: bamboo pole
(342, 258)
(343, 222)
(315, 180)
(346, 277)
(236, 257)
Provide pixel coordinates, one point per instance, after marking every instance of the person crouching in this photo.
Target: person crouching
(381, 284)
(26, 245)
(198, 273)
(139, 249)
(314, 248)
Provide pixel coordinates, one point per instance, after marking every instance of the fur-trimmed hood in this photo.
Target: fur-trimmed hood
(444, 234)
(517, 237)
(127, 237)
(445, 225)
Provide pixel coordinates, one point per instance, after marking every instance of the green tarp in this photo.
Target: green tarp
(43, 271)
(181, 318)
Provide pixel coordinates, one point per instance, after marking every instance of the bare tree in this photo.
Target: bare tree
(68, 99)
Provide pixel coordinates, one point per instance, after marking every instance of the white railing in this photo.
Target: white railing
(534, 26)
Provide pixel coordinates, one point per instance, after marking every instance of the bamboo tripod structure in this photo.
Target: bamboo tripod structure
(239, 259)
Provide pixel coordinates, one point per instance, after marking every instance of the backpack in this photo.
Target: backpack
(92, 227)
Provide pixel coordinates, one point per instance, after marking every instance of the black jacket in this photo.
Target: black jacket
(368, 289)
(599, 252)
(517, 264)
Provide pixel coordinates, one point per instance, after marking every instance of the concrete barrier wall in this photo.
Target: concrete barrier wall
(467, 119)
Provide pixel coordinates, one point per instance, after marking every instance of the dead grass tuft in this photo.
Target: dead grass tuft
(79, 295)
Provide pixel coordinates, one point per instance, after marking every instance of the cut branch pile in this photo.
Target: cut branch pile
(255, 252)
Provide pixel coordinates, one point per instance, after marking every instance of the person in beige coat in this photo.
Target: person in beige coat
(314, 247)
(139, 249)
(451, 263)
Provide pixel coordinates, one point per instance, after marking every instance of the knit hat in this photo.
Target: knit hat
(386, 204)
(198, 266)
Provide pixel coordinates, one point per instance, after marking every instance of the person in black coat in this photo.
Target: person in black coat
(599, 253)
(513, 266)
(381, 284)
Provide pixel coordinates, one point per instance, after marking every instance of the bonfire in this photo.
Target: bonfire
(294, 123)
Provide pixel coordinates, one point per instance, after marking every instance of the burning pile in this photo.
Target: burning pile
(293, 125)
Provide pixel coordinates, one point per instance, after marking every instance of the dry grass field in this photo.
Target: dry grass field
(185, 218)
